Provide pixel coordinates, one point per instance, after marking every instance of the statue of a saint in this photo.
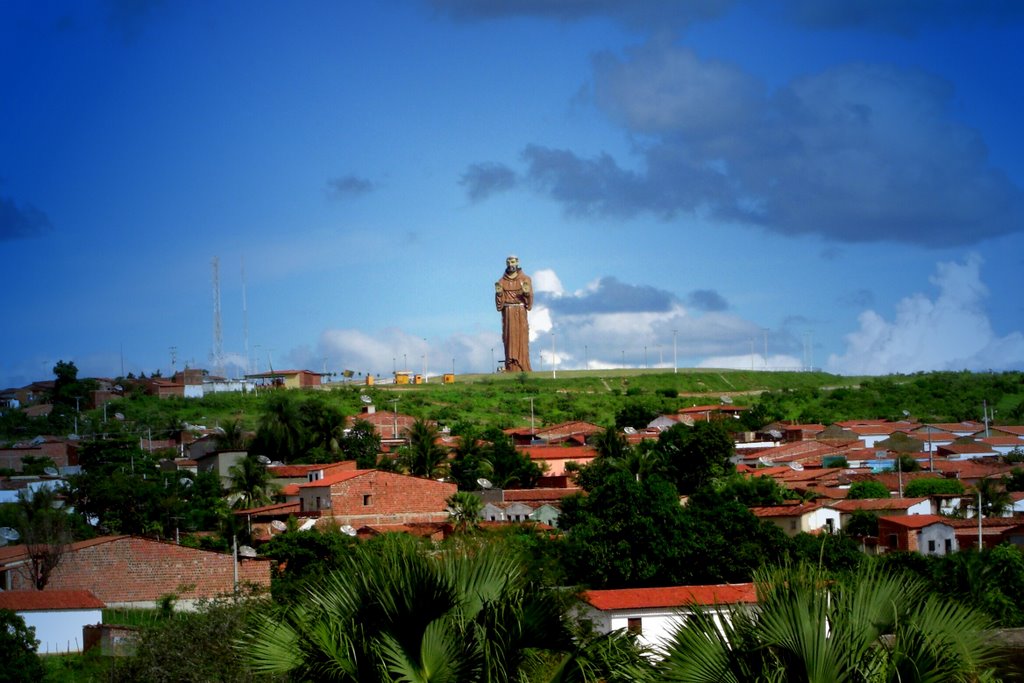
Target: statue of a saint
(513, 296)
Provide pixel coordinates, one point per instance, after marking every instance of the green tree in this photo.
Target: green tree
(193, 646)
(635, 415)
(231, 437)
(467, 464)
(362, 444)
(994, 497)
(610, 443)
(694, 456)
(818, 628)
(303, 556)
(752, 490)
(507, 467)
(323, 424)
(397, 613)
(18, 646)
(868, 488)
(623, 533)
(281, 434)
(724, 542)
(250, 482)
(931, 486)
(424, 457)
(464, 510)
(862, 523)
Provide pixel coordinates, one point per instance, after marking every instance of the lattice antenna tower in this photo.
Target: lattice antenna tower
(245, 321)
(218, 339)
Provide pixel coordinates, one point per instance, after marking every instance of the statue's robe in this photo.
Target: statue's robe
(513, 301)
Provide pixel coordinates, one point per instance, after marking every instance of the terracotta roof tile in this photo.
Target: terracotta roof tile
(27, 601)
(672, 596)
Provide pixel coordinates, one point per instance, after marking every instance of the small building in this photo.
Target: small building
(804, 518)
(374, 497)
(925, 534)
(58, 616)
(288, 379)
(653, 613)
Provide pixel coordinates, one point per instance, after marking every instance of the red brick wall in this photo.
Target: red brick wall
(394, 499)
(128, 569)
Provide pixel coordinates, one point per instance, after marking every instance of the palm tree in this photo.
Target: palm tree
(249, 483)
(423, 457)
(464, 509)
(231, 437)
(994, 497)
(808, 627)
(281, 434)
(396, 613)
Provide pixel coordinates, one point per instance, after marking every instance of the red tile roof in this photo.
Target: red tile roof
(28, 601)
(875, 504)
(559, 452)
(785, 510)
(915, 521)
(334, 478)
(523, 495)
(672, 596)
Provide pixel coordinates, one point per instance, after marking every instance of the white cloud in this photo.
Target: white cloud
(951, 332)
(545, 280)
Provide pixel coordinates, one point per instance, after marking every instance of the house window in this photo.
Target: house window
(949, 546)
(635, 625)
(792, 524)
(318, 502)
(892, 541)
(830, 524)
(367, 499)
(931, 546)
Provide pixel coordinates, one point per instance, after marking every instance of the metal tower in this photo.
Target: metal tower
(218, 341)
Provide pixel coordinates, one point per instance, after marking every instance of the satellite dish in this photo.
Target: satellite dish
(278, 525)
(185, 481)
(38, 441)
(262, 459)
(725, 399)
(484, 483)
(796, 467)
(629, 430)
(764, 461)
(246, 551)
(51, 471)
(9, 534)
(365, 399)
(119, 416)
(348, 530)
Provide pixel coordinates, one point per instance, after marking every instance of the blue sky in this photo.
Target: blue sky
(719, 183)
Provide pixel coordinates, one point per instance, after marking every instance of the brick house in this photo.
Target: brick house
(374, 497)
(653, 613)
(130, 571)
(57, 616)
(925, 534)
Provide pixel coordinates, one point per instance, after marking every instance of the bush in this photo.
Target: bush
(867, 489)
(931, 486)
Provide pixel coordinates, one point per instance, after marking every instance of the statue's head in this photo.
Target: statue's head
(512, 264)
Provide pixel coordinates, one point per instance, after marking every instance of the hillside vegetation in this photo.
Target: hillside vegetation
(504, 401)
